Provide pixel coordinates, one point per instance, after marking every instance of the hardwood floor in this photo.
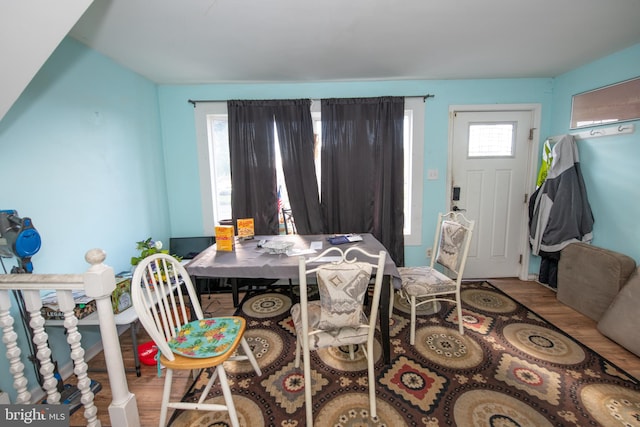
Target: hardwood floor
(148, 387)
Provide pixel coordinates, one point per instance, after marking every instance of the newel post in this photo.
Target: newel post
(99, 282)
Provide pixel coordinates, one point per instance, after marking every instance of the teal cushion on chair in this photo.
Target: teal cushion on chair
(206, 338)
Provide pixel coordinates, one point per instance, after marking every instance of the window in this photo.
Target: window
(218, 150)
(491, 140)
(215, 177)
(218, 154)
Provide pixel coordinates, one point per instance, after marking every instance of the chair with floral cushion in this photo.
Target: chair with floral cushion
(338, 318)
(441, 280)
(167, 303)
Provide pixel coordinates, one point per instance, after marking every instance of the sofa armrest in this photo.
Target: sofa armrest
(620, 321)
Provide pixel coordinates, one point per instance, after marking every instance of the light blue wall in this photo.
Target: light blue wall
(81, 154)
(610, 165)
(178, 126)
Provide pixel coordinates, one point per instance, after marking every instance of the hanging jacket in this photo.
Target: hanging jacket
(547, 158)
(559, 210)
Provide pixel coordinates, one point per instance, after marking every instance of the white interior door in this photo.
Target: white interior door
(490, 154)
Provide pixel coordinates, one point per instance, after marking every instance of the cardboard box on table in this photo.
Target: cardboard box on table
(121, 296)
(225, 238)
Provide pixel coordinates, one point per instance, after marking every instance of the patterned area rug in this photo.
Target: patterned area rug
(511, 368)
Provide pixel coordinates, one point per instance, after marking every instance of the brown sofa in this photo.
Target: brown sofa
(589, 277)
(605, 286)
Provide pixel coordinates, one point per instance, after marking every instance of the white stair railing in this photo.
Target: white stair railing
(98, 282)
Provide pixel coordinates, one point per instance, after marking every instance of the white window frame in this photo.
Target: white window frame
(205, 167)
(414, 159)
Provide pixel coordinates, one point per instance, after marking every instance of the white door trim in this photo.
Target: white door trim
(531, 177)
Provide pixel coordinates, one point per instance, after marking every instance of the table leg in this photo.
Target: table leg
(385, 295)
(134, 341)
(234, 291)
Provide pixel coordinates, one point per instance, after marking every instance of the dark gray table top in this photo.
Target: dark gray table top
(250, 261)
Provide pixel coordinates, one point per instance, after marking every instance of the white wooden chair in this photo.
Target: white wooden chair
(422, 285)
(158, 290)
(338, 318)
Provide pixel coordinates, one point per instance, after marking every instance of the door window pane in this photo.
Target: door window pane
(491, 140)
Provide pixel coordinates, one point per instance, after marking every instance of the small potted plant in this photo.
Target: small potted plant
(146, 248)
(149, 247)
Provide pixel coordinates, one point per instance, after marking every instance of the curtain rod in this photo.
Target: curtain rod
(195, 101)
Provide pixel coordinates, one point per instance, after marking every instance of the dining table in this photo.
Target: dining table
(252, 259)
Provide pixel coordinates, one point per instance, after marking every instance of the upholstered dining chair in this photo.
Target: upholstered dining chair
(441, 280)
(338, 318)
(169, 310)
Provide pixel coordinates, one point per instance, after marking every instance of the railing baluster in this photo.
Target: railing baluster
(10, 339)
(33, 304)
(74, 338)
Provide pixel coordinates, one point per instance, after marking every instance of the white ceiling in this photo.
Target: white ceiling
(23, 50)
(209, 41)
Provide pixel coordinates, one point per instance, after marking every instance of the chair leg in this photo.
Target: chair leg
(228, 399)
(207, 389)
(195, 373)
(298, 346)
(412, 336)
(307, 388)
(291, 294)
(372, 383)
(250, 356)
(392, 295)
(460, 320)
(165, 397)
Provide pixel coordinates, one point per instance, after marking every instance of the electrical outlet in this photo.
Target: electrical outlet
(429, 253)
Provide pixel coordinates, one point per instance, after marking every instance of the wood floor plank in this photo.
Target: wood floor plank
(148, 387)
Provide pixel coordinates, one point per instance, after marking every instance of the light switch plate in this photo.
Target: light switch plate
(432, 174)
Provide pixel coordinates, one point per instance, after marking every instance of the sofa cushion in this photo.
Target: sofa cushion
(619, 322)
(589, 277)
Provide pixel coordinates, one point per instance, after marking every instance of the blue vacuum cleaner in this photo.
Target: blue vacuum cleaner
(19, 238)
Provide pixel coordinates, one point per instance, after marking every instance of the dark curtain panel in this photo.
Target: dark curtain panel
(297, 145)
(362, 182)
(253, 164)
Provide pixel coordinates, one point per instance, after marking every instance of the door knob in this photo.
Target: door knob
(457, 209)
